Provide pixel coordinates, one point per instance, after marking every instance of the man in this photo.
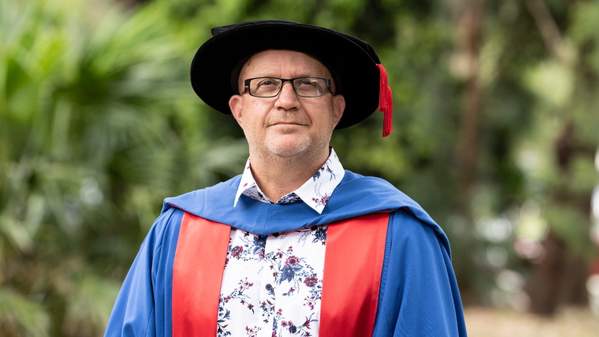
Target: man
(296, 245)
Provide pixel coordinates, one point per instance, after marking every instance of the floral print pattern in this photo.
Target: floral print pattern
(272, 285)
(315, 192)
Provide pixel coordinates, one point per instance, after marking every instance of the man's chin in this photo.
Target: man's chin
(288, 148)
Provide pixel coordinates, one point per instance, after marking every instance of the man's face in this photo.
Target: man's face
(286, 125)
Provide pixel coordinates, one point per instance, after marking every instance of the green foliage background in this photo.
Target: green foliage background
(98, 124)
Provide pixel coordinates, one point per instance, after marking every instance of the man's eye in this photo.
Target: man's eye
(266, 83)
(307, 82)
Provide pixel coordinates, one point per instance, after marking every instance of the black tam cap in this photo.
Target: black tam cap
(354, 64)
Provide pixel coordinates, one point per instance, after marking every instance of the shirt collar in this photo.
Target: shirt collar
(315, 192)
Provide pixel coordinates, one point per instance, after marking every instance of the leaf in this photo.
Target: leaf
(89, 305)
(16, 233)
(20, 316)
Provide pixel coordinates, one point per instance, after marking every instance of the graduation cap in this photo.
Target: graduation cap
(356, 69)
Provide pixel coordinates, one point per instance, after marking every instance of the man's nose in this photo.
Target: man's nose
(287, 98)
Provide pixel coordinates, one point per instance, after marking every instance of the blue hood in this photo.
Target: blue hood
(356, 195)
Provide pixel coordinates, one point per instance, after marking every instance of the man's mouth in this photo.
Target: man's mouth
(287, 123)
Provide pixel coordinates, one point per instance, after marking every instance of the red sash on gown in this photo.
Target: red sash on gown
(354, 255)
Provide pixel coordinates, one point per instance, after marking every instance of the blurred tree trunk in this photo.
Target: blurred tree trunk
(468, 42)
(545, 283)
(468, 16)
(560, 275)
(569, 148)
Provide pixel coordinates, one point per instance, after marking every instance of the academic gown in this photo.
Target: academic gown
(418, 294)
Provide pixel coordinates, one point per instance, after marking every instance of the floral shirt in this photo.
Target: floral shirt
(272, 284)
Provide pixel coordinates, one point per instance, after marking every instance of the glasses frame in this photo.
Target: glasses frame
(246, 85)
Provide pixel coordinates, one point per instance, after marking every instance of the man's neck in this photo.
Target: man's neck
(278, 176)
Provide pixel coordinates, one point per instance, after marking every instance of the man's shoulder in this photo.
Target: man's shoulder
(407, 214)
(374, 190)
(378, 191)
(219, 193)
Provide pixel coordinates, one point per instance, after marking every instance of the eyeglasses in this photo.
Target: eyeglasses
(303, 86)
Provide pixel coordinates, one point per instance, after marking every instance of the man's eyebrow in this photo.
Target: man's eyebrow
(313, 75)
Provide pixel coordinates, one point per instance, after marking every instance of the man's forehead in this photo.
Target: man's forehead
(276, 58)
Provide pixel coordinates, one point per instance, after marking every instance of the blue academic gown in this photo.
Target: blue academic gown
(419, 295)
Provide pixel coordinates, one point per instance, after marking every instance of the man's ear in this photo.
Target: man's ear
(338, 108)
(235, 105)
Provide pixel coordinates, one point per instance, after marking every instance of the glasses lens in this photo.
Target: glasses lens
(310, 86)
(265, 86)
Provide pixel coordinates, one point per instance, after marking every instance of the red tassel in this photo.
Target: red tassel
(385, 100)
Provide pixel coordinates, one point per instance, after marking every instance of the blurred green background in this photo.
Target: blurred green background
(496, 134)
